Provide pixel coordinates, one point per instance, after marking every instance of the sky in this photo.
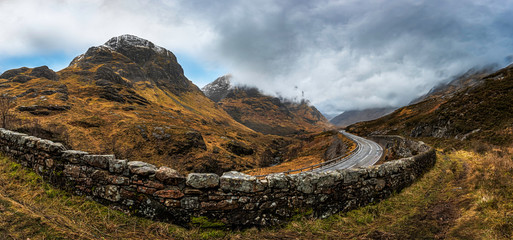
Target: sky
(342, 55)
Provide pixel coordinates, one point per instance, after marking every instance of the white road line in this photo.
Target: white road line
(367, 154)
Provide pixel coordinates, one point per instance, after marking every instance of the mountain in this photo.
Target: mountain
(218, 89)
(479, 112)
(353, 116)
(264, 113)
(130, 97)
(471, 78)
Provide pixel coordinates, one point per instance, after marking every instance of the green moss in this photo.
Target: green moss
(58, 173)
(204, 222)
(300, 214)
(212, 233)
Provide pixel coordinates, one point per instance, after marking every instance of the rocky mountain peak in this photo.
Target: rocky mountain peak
(127, 40)
(218, 89)
(136, 59)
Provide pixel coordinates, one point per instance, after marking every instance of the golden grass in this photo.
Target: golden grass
(30, 208)
(465, 196)
(121, 131)
(310, 154)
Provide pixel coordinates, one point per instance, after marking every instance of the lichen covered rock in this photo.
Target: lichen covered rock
(202, 180)
(236, 181)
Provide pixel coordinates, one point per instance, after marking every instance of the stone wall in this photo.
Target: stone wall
(396, 147)
(235, 199)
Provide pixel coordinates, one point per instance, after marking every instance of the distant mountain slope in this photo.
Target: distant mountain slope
(471, 78)
(350, 117)
(263, 113)
(481, 112)
(218, 89)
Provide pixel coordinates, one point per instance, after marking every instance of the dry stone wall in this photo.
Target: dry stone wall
(234, 199)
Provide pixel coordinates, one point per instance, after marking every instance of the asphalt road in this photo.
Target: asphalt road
(367, 154)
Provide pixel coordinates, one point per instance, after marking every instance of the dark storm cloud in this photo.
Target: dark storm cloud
(342, 54)
(357, 54)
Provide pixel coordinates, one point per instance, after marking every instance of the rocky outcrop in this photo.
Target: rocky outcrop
(24, 74)
(44, 72)
(235, 199)
(239, 148)
(264, 113)
(218, 89)
(399, 147)
(43, 110)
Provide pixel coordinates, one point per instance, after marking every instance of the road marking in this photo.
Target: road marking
(367, 154)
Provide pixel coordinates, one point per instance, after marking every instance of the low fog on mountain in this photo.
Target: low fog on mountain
(343, 55)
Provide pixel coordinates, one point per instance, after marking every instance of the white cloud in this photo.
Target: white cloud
(343, 54)
(39, 26)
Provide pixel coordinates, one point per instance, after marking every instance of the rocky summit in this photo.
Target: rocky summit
(218, 89)
(137, 60)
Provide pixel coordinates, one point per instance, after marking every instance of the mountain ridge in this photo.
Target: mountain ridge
(353, 116)
(478, 112)
(264, 113)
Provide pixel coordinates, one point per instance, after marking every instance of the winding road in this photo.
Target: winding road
(367, 154)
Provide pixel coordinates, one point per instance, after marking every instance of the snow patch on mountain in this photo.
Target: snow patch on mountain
(131, 40)
(218, 89)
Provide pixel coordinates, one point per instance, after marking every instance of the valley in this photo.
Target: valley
(130, 97)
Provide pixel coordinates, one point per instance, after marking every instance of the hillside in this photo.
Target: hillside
(481, 112)
(353, 116)
(264, 113)
(471, 78)
(130, 97)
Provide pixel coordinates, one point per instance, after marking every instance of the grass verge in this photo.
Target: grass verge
(465, 196)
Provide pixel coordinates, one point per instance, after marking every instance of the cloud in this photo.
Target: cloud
(352, 54)
(68, 25)
(342, 54)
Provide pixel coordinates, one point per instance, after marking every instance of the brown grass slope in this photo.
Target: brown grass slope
(130, 97)
(482, 112)
(264, 113)
(465, 196)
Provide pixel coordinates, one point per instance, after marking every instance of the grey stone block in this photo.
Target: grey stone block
(202, 180)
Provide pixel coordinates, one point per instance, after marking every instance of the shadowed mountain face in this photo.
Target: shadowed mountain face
(130, 97)
(350, 117)
(481, 111)
(263, 113)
